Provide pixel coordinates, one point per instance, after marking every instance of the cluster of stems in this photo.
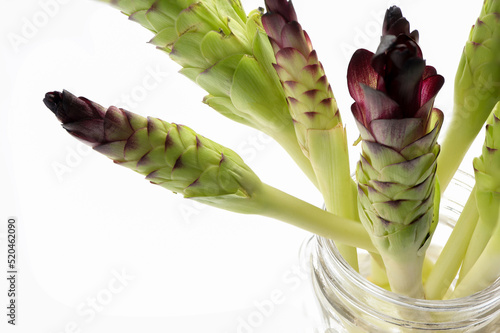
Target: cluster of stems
(261, 70)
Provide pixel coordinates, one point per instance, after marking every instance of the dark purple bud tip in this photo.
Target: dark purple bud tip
(52, 101)
(80, 117)
(392, 15)
(283, 8)
(69, 108)
(395, 24)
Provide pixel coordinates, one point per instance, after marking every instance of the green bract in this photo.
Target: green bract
(175, 157)
(172, 156)
(477, 89)
(487, 166)
(261, 70)
(311, 100)
(316, 118)
(394, 93)
(229, 55)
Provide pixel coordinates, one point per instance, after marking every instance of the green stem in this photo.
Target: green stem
(457, 141)
(282, 206)
(488, 204)
(446, 267)
(480, 237)
(484, 271)
(404, 271)
(329, 157)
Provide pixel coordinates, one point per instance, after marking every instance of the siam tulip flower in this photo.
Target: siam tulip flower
(394, 93)
(311, 100)
(177, 158)
(316, 118)
(261, 70)
(229, 55)
(172, 156)
(477, 90)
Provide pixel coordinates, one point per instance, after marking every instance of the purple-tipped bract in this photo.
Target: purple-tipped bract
(394, 83)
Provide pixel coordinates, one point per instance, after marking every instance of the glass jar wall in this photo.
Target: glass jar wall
(351, 303)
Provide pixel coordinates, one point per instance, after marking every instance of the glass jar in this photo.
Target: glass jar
(350, 303)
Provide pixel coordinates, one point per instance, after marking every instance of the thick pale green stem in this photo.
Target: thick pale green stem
(282, 206)
(404, 272)
(330, 161)
(450, 259)
(480, 237)
(456, 143)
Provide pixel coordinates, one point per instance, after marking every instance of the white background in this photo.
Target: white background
(83, 220)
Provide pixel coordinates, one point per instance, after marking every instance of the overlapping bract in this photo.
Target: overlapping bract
(487, 171)
(229, 55)
(310, 97)
(175, 157)
(172, 156)
(394, 92)
(221, 49)
(477, 89)
(477, 83)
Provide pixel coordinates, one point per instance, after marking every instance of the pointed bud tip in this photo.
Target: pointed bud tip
(283, 8)
(58, 103)
(69, 108)
(395, 24)
(393, 13)
(53, 100)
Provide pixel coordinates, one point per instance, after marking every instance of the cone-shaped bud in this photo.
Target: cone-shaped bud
(395, 24)
(175, 157)
(172, 156)
(394, 93)
(477, 89)
(487, 172)
(310, 98)
(316, 118)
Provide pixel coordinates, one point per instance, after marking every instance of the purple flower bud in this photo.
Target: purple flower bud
(393, 83)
